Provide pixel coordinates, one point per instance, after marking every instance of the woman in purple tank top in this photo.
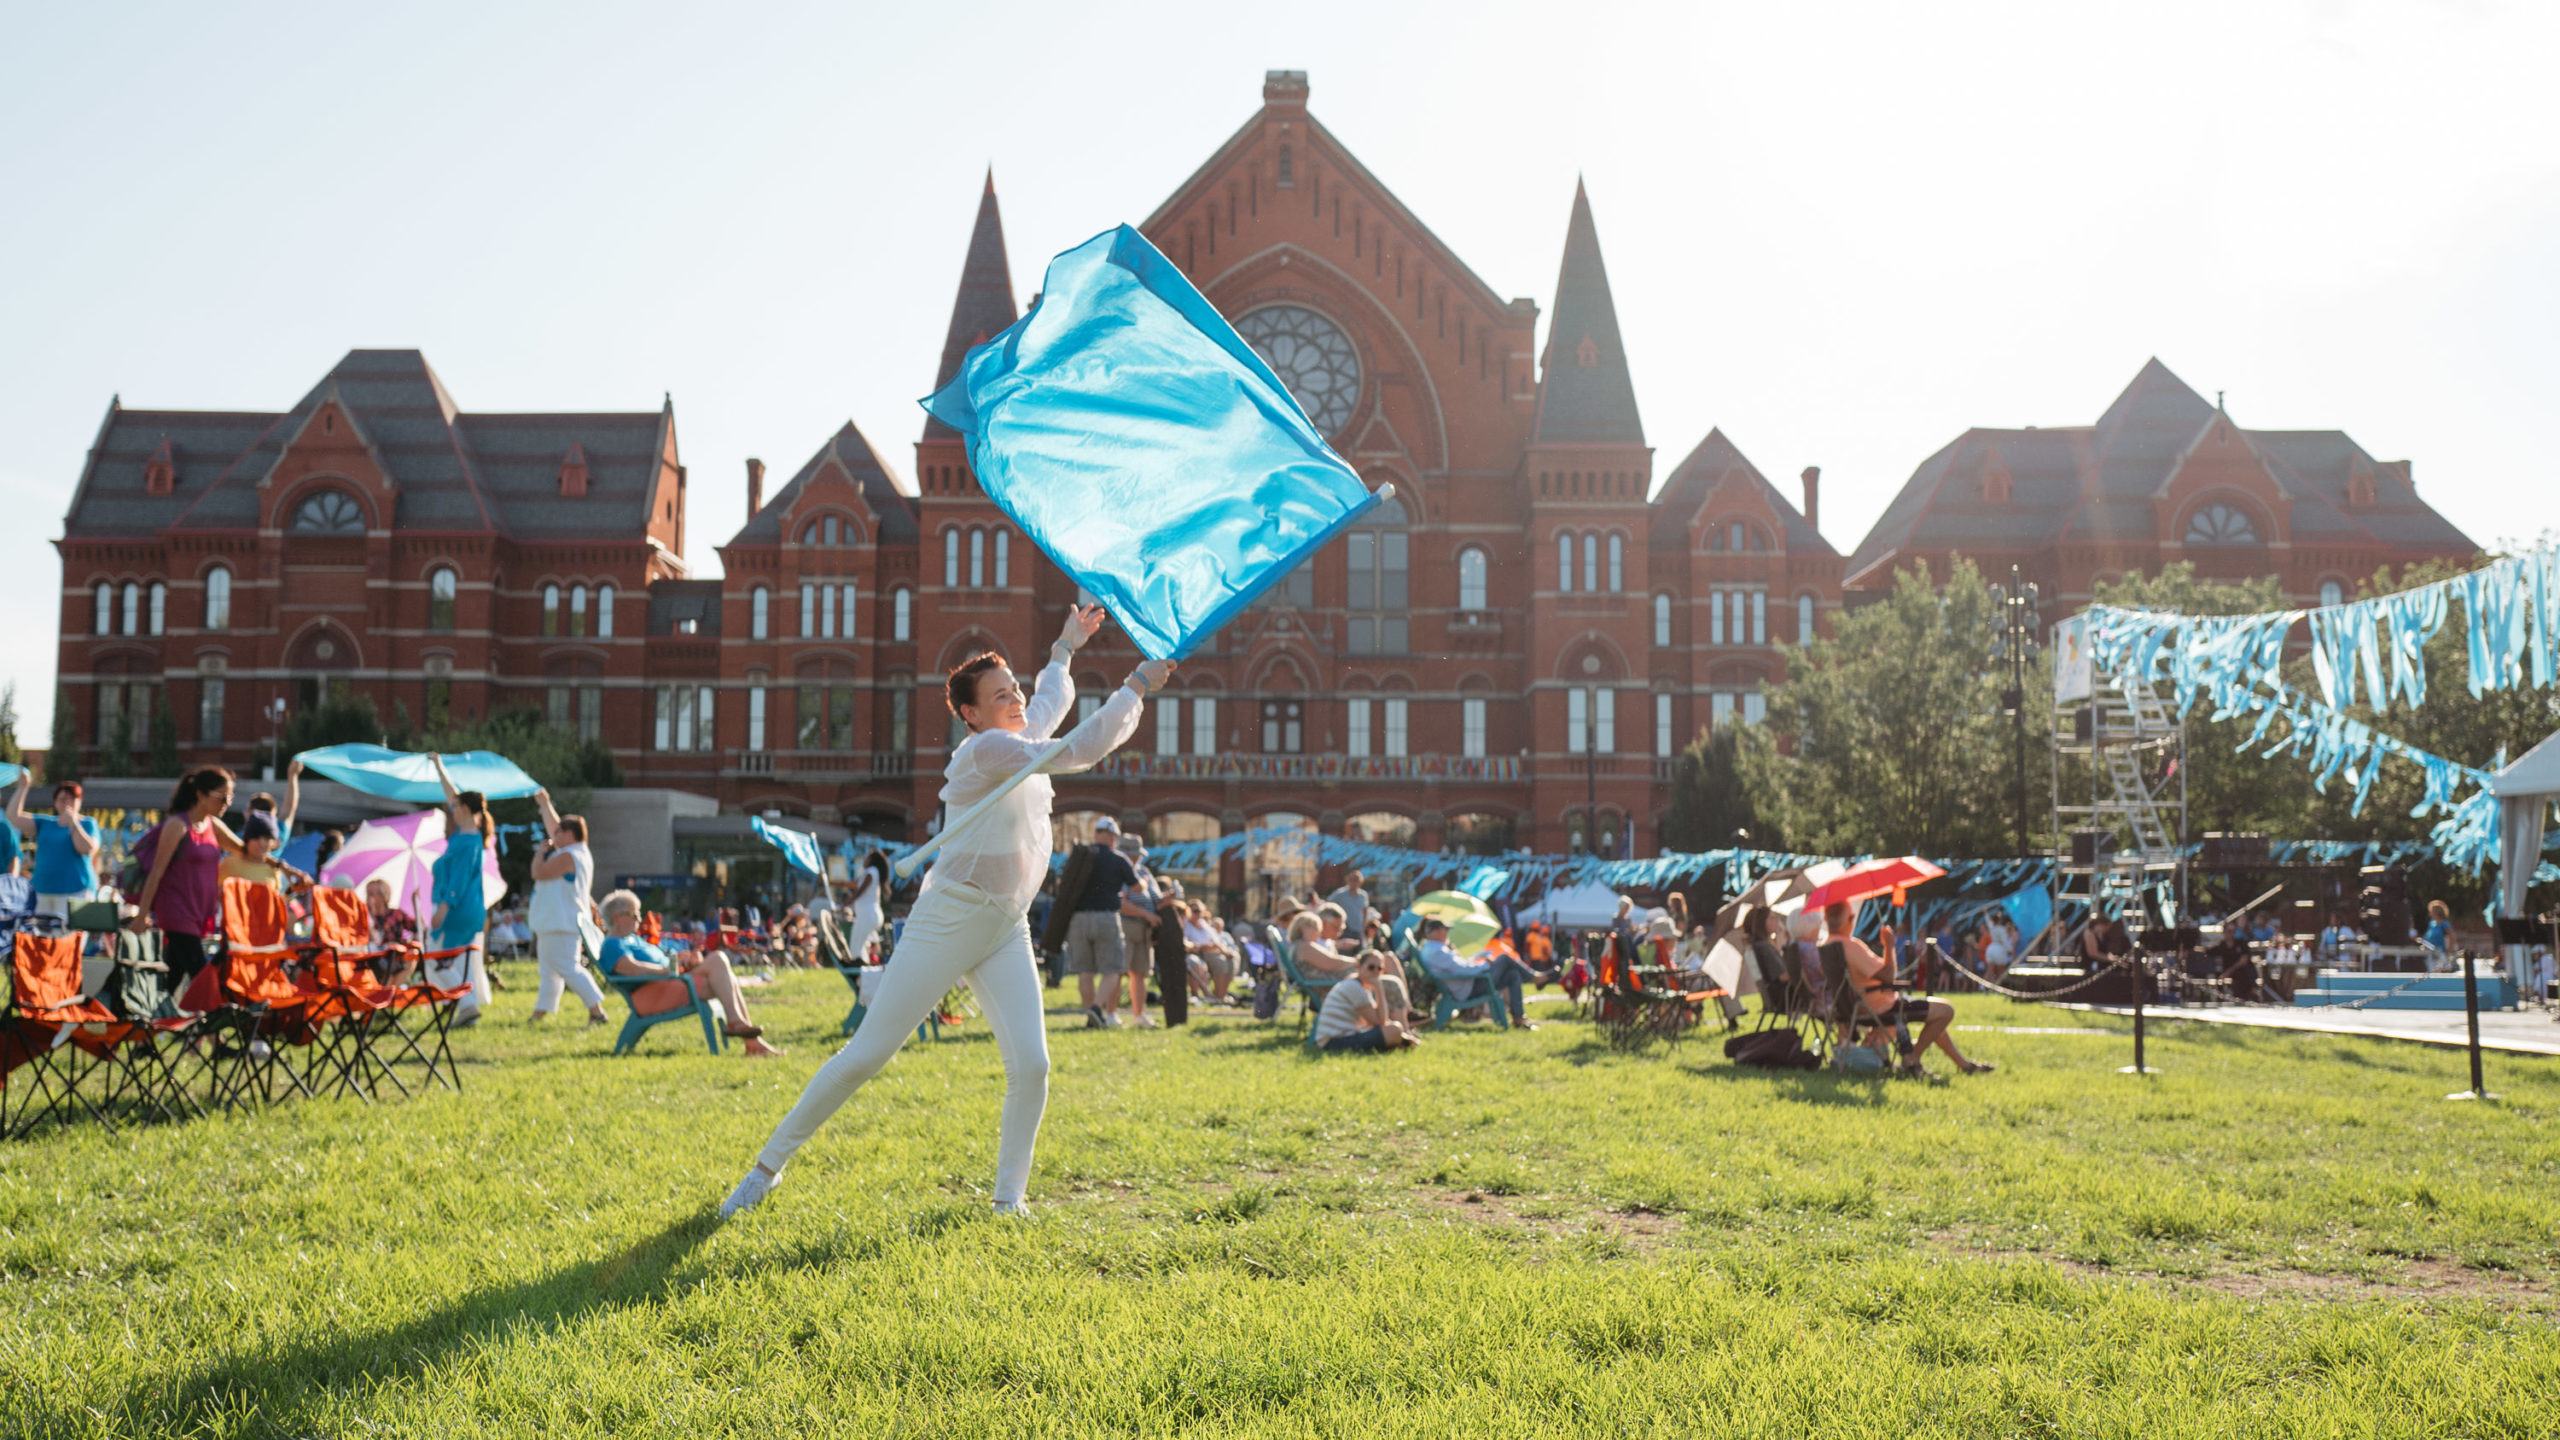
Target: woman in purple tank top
(182, 896)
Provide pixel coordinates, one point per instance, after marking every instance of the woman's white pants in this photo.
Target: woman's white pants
(956, 933)
(558, 954)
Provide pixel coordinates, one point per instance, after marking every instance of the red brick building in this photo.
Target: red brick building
(1505, 655)
(2163, 476)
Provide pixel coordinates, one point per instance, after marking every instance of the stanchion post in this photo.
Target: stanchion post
(2471, 1021)
(2141, 986)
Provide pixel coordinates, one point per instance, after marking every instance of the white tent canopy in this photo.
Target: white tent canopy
(1574, 907)
(2525, 791)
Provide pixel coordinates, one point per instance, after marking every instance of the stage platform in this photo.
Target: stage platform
(2522, 1032)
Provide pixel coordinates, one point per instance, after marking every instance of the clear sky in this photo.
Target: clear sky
(1841, 232)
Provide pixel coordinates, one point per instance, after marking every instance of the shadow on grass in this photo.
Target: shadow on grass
(287, 1390)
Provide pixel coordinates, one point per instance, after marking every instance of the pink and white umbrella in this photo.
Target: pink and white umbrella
(401, 852)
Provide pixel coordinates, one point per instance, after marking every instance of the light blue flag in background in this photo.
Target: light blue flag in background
(399, 775)
(797, 846)
(1143, 444)
(2030, 911)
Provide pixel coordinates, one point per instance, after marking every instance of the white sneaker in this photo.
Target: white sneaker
(750, 1192)
(1018, 1210)
(1149, 1022)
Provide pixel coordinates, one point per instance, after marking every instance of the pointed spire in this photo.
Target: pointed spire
(984, 306)
(1585, 393)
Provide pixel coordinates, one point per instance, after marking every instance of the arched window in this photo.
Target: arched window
(210, 697)
(809, 533)
(977, 559)
(808, 609)
(1662, 622)
(159, 607)
(330, 512)
(902, 614)
(2221, 525)
(132, 608)
(604, 611)
(1378, 586)
(1004, 558)
(106, 609)
(217, 598)
(1617, 563)
(578, 610)
(1288, 176)
(1736, 537)
(2332, 593)
(550, 609)
(441, 585)
(951, 559)
(1590, 562)
(1471, 571)
(1564, 564)
(759, 613)
(1804, 619)
(833, 532)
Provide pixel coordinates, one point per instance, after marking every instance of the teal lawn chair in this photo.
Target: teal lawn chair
(1311, 993)
(638, 1025)
(1465, 992)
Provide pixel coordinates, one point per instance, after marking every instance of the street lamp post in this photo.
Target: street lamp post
(275, 724)
(2017, 648)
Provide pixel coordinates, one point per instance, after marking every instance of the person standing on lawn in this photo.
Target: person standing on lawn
(1354, 900)
(462, 908)
(564, 905)
(66, 868)
(182, 894)
(969, 921)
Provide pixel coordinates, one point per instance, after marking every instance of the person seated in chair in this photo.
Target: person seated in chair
(1868, 972)
(1504, 972)
(626, 955)
(1357, 1014)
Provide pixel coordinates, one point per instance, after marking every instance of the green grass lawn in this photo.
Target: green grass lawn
(1501, 1235)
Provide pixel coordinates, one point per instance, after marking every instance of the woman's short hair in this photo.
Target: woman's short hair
(67, 787)
(619, 902)
(1805, 925)
(575, 827)
(1333, 912)
(961, 686)
(1305, 924)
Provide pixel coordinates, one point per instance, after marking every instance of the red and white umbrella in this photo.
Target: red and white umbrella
(401, 851)
(1870, 878)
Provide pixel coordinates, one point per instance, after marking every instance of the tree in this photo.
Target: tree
(1709, 804)
(342, 717)
(1888, 737)
(560, 762)
(118, 761)
(164, 734)
(10, 754)
(62, 752)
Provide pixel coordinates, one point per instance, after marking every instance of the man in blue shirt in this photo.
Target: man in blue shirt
(1505, 973)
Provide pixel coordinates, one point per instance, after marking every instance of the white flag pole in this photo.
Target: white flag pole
(915, 858)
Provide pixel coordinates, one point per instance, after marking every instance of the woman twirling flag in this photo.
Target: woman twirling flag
(1137, 439)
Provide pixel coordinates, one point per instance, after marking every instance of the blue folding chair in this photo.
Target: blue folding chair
(1465, 992)
(1311, 993)
(696, 1004)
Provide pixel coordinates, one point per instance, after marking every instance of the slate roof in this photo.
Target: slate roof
(455, 471)
(1578, 402)
(896, 508)
(984, 307)
(1696, 476)
(2095, 482)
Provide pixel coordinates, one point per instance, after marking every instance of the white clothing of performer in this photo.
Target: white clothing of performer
(562, 907)
(968, 924)
(864, 922)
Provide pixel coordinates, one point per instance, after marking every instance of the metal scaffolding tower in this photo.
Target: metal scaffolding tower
(2125, 847)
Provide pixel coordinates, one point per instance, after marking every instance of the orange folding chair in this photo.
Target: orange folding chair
(52, 1026)
(344, 967)
(258, 979)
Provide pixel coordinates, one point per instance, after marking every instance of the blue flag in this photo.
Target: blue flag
(797, 846)
(2030, 911)
(1128, 429)
(399, 775)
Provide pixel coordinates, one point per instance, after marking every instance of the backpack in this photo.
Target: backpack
(1771, 1050)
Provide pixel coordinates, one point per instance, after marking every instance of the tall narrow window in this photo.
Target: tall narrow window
(1564, 564)
(950, 558)
(1355, 727)
(1283, 726)
(1471, 728)
(839, 716)
(902, 614)
(1591, 562)
(1577, 721)
(1720, 708)
(1755, 708)
(110, 705)
(559, 703)
(705, 732)
(550, 609)
(1377, 583)
(1471, 569)
(604, 612)
(977, 559)
(826, 612)
(759, 613)
(577, 609)
(663, 732)
(105, 611)
(1604, 720)
(1804, 619)
(1168, 725)
(1715, 617)
(808, 609)
(1396, 713)
(1204, 724)
(1004, 558)
(590, 712)
(813, 715)
(1662, 725)
(159, 608)
(442, 584)
(1662, 622)
(217, 598)
(210, 695)
(1759, 617)
(848, 609)
(832, 530)
(899, 700)
(132, 608)
(755, 717)
(1617, 564)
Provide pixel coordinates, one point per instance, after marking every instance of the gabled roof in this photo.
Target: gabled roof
(2097, 483)
(453, 471)
(1696, 477)
(1586, 394)
(984, 306)
(848, 448)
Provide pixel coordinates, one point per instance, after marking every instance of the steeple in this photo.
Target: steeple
(984, 306)
(1585, 393)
